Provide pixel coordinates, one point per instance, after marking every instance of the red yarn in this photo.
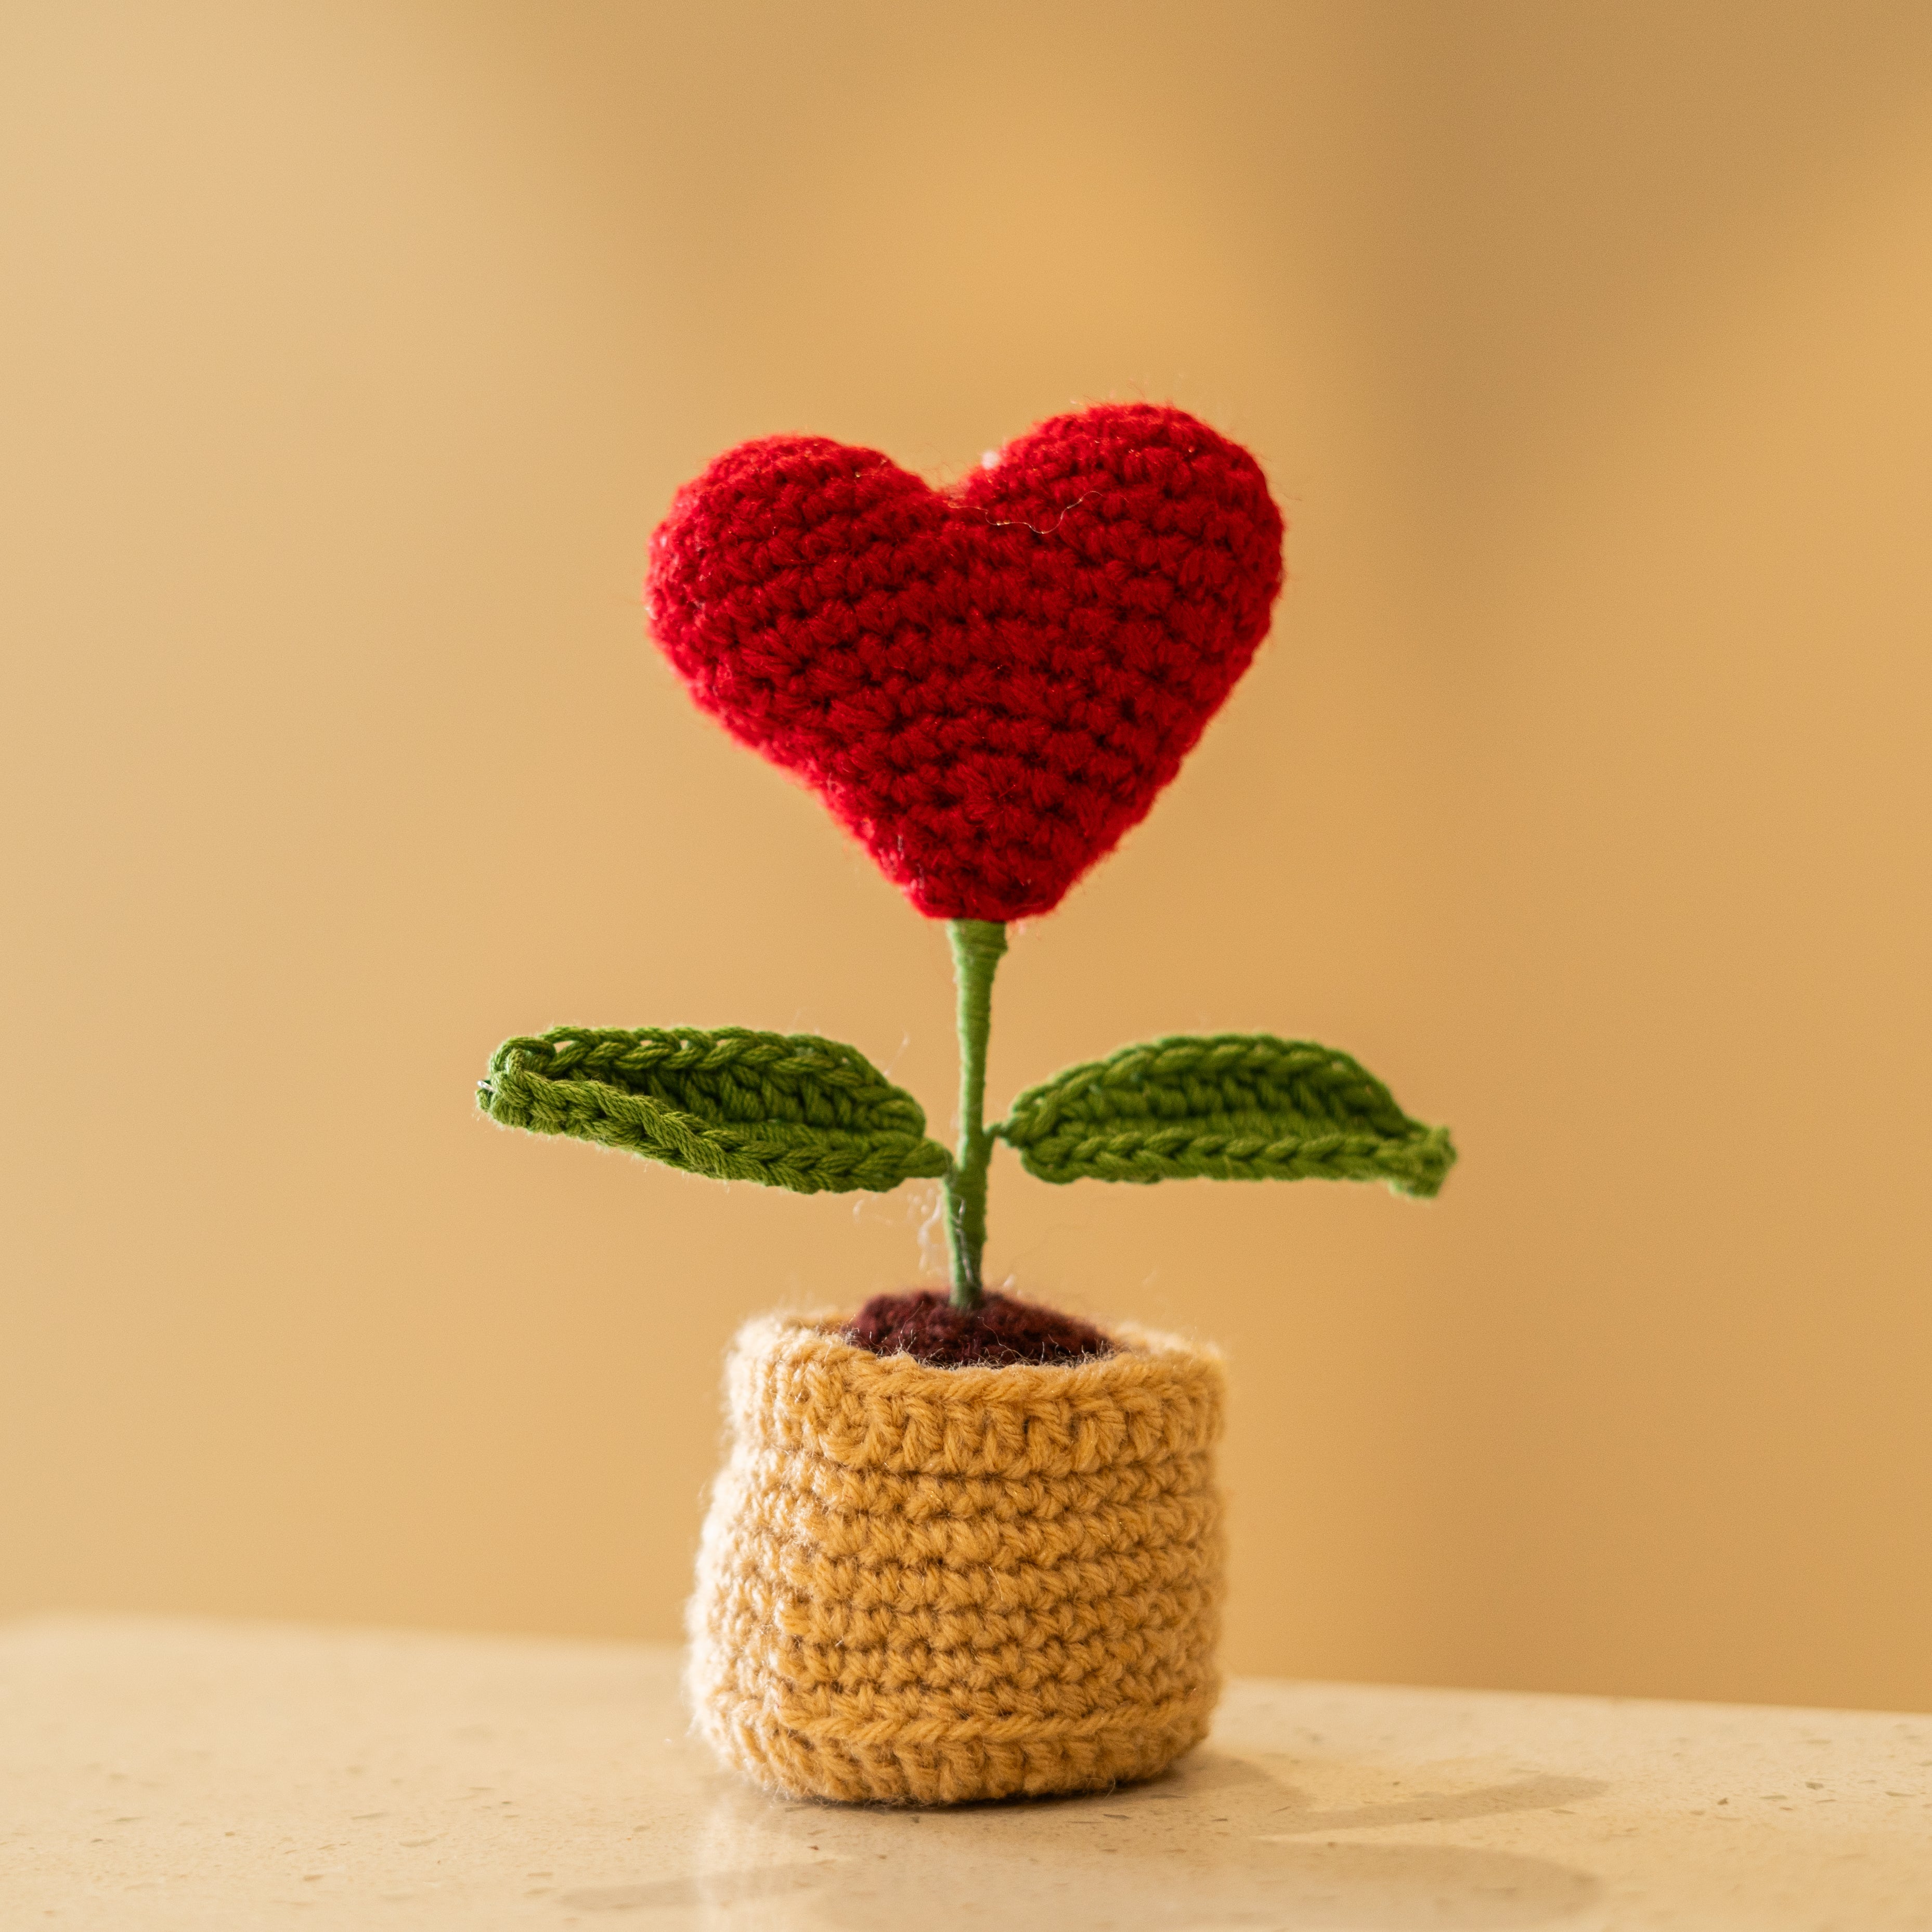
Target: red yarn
(988, 683)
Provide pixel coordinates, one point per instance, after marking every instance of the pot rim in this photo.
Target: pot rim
(794, 1383)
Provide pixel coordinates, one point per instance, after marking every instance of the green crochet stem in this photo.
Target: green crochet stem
(977, 944)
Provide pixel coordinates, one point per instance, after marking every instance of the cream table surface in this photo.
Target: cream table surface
(165, 1775)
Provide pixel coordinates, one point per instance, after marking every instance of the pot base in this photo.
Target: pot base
(966, 1771)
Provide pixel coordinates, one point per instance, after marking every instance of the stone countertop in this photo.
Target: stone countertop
(208, 1776)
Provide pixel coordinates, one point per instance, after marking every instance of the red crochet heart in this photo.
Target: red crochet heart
(988, 683)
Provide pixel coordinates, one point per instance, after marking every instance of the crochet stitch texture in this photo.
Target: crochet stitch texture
(988, 684)
(788, 1110)
(1234, 1106)
(928, 1585)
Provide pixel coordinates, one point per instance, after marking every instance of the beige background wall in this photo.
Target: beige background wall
(351, 352)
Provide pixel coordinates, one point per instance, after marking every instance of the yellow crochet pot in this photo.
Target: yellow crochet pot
(926, 1585)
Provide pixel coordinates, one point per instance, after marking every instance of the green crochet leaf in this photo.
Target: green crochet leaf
(788, 1110)
(1231, 1107)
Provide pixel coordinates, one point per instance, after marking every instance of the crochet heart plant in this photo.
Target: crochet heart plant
(988, 684)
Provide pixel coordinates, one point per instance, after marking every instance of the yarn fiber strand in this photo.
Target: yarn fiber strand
(927, 1585)
(978, 945)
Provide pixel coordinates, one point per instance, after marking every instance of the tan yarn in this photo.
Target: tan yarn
(926, 1585)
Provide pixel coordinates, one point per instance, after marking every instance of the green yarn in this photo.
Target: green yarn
(786, 1110)
(811, 1115)
(978, 945)
(1227, 1107)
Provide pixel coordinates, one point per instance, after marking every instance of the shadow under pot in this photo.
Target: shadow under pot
(928, 1585)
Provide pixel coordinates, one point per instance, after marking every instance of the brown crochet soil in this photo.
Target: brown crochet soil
(924, 1324)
